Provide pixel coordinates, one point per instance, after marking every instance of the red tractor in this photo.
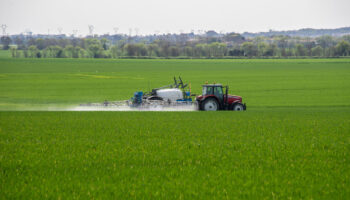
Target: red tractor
(213, 98)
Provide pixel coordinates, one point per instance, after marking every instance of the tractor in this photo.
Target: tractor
(213, 99)
(177, 95)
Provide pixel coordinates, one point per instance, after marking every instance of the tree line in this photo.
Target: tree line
(206, 46)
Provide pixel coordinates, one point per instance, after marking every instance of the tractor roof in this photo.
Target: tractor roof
(212, 85)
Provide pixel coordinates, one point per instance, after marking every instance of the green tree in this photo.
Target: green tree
(14, 52)
(80, 52)
(300, 50)
(164, 47)
(130, 49)
(188, 51)
(326, 42)
(25, 53)
(342, 48)
(19, 42)
(288, 52)
(152, 50)
(346, 38)
(217, 49)
(309, 44)
(317, 51)
(235, 52)
(249, 49)
(271, 50)
(54, 52)
(90, 41)
(141, 49)
(282, 44)
(104, 43)
(40, 43)
(5, 41)
(262, 47)
(115, 51)
(201, 50)
(69, 51)
(33, 51)
(96, 51)
(174, 51)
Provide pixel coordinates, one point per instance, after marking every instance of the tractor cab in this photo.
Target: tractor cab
(213, 98)
(213, 89)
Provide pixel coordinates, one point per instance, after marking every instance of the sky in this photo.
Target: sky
(165, 16)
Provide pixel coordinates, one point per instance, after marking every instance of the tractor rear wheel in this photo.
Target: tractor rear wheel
(238, 107)
(210, 105)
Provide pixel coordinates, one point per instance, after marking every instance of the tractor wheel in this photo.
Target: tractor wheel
(210, 105)
(238, 107)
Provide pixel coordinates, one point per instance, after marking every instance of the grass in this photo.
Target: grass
(293, 142)
(281, 153)
(28, 82)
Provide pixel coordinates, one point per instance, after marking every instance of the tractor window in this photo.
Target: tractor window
(218, 91)
(207, 90)
(204, 92)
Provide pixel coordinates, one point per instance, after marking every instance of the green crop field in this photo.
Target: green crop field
(293, 142)
(25, 83)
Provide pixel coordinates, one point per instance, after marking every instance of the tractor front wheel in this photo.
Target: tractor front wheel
(238, 107)
(210, 105)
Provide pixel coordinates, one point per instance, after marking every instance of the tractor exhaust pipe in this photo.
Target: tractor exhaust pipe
(226, 98)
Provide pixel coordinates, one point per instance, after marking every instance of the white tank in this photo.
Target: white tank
(170, 94)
